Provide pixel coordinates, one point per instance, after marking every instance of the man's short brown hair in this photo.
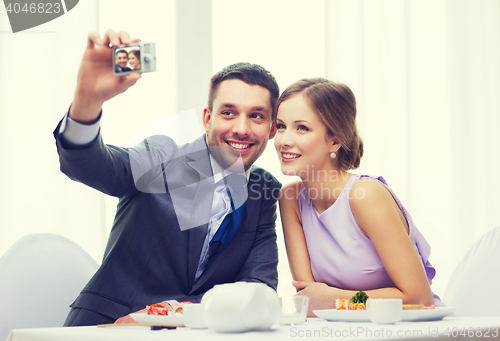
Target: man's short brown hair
(250, 74)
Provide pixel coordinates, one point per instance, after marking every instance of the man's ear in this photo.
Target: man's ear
(207, 115)
(273, 132)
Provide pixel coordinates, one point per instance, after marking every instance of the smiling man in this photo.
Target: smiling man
(121, 60)
(181, 225)
(237, 119)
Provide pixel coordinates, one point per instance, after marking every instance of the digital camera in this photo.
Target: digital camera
(136, 57)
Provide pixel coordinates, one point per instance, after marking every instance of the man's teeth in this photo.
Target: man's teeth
(290, 156)
(238, 145)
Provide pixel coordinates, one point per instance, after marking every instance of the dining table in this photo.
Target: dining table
(449, 328)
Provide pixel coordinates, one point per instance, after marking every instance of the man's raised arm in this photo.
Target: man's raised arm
(96, 81)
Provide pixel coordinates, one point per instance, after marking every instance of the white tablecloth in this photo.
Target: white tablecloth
(451, 328)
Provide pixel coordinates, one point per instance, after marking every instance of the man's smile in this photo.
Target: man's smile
(239, 146)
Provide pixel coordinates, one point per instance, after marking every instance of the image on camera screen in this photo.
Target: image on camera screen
(128, 59)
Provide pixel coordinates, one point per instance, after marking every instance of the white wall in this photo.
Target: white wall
(38, 69)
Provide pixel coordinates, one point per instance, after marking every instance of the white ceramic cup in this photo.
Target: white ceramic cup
(193, 316)
(294, 309)
(385, 310)
(240, 307)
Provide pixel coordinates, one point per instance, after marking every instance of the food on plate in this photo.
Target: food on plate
(157, 309)
(342, 304)
(357, 302)
(356, 306)
(412, 306)
(360, 297)
(160, 309)
(417, 306)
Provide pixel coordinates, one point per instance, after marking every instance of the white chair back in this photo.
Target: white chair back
(40, 276)
(474, 284)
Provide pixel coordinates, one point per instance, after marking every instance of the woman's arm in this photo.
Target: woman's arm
(380, 219)
(295, 242)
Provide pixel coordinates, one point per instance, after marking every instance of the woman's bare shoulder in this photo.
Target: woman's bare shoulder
(290, 192)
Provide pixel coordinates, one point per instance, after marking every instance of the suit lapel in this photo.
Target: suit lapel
(198, 161)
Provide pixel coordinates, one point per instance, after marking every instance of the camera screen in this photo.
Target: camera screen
(128, 59)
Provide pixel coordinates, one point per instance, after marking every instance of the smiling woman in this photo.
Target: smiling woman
(326, 223)
(134, 59)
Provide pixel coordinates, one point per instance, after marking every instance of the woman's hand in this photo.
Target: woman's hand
(321, 296)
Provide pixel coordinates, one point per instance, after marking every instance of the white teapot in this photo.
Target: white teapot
(240, 307)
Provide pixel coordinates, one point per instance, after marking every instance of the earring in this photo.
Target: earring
(333, 155)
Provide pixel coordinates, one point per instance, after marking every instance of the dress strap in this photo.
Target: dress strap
(379, 178)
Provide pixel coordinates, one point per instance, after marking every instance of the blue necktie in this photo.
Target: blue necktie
(233, 222)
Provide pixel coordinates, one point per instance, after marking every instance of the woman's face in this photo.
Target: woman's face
(302, 141)
(134, 62)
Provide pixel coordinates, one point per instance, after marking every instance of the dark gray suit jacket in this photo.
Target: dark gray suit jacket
(149, 258)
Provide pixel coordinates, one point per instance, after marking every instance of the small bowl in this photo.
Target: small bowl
(385, 310)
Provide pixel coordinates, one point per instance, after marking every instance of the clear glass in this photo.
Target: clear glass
(294, 309)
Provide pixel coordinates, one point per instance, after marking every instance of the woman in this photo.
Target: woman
(343, 232)
(134, 59)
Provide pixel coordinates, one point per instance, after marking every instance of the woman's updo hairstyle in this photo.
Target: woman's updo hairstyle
(336, 106)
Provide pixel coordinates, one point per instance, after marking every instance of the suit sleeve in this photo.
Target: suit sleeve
(261, 264)
(114, 170)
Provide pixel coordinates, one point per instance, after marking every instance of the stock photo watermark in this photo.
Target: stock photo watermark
(189, 186)
(388, 333)
(24, 14)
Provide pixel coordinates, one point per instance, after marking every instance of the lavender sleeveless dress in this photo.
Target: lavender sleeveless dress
(341, 255)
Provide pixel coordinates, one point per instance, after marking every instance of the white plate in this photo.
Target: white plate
(363, 315)
(343, 315)
(427, 314)
(161, 319)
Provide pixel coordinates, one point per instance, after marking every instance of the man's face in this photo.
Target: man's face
(121, 59)
(239, 124)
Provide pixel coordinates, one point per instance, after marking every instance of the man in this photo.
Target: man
(121, 60)
(156, 250)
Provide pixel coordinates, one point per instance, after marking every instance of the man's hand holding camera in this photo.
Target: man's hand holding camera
(97, 81)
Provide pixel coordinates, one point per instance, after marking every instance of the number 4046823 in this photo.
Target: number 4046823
(33, 8)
